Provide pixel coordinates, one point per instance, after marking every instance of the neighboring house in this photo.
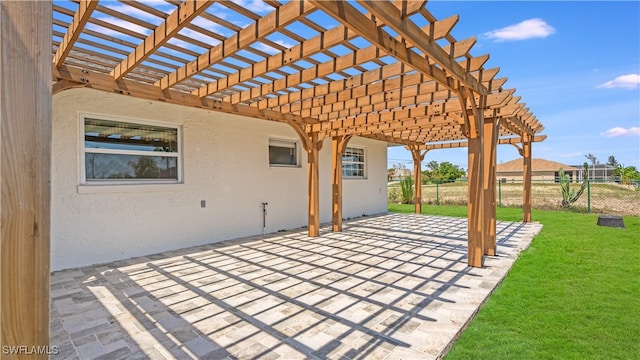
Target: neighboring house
(132, 177)
(541, 170)
(399, 174)
(598, 172)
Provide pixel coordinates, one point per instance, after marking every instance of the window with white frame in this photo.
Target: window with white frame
(283, 153)
(353, 163)
(129, 152)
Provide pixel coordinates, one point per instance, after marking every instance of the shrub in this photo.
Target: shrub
(406, 185)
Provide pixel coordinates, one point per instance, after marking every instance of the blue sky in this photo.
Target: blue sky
(563, 58)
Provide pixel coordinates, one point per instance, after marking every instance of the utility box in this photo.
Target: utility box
(611, 221)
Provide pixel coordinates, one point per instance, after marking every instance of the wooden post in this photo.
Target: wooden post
(338, 146)
(526, 178)
(490, 148)
(312, 145)
(314, 186)
(475, 202)
(418, 156)
(25, 144)
(474, 124)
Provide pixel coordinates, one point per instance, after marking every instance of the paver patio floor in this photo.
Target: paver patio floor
(394, 286)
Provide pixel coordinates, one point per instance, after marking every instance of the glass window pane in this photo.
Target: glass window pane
(353, 162)
(119, 167)
(283, 153)
(107, 134)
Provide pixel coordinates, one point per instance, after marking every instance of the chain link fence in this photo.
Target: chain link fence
(599, 197)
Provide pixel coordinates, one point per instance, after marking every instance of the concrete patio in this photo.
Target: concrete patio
(393, 286)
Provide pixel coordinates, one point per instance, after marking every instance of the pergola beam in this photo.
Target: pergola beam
(80, 19)
(461, 144)
(390, 126)
(436, 109)
(104, 82)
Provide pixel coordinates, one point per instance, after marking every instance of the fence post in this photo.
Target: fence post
(499, 193)
(589, 196)
(437, 192)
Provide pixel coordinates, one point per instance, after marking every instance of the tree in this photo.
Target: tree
(627, 174)
(444, 171)
(145, 168)
(612, 161)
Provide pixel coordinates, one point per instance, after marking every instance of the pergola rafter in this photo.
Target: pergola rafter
(80, 19)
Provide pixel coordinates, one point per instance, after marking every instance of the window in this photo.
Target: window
(128, 152)
(283, 153)
(353, 163)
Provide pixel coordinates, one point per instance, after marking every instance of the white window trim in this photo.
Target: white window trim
(364, 164)
(289, 141)
(120, 185)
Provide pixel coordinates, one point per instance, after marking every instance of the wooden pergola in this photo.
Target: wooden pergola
(386, 70)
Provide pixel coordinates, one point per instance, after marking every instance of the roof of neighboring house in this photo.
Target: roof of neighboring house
(536, 165)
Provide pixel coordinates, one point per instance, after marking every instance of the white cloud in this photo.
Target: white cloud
(620, 131)
(256, 6)
(117, 22)
(270, 50)
(629, 81)
(569, 155)
(134, 12)
(192, 34)
(527, 29)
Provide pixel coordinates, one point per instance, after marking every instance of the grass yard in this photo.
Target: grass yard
(605, 198)
(573, 294)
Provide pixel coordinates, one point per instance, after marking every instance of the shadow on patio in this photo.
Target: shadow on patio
(388, 286)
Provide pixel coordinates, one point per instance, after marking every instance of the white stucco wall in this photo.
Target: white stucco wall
(225, 163)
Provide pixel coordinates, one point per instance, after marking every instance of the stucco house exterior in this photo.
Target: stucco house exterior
(541, 170)
(221, 169)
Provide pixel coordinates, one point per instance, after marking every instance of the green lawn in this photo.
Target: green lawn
(573, 294)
